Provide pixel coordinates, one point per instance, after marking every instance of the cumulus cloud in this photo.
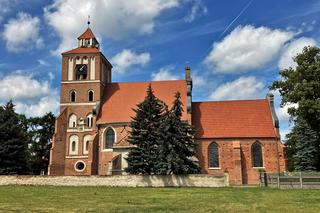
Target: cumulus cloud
(292, 49)
(246, 48)
(22, 33)
(46, 104)
(128, 58)
(282, 113)
(113, 18)
(198, 8)
(31, 97)
(241, 88)
(198, 80)
(165, 73)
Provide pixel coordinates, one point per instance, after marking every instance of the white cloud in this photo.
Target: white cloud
(165, 73)
(127, 58)
(46, 104)
(283, 133)
(22, 33)
(198, 8)
(198, 80)
(113, 18)
(31, 97)
(246, 48)
(22, 87)
(43, 63)
(241, 88)
(292, 49)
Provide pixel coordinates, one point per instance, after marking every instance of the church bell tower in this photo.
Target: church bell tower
(85, 72)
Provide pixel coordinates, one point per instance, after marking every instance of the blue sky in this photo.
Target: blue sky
(235, 48)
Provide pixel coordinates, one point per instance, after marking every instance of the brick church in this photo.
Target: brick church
(240, 137)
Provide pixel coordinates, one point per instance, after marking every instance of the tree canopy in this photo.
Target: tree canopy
(24, 142)
(177, 143)
(163, 143)
(144, 135)
(301, 86)
(13, 141)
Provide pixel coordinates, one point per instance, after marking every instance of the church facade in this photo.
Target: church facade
(240, 137)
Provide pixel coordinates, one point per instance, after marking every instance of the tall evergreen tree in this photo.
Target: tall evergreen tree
(13, 141)
(41, 130)
(177, 144)
(305, 158)
(144, 135)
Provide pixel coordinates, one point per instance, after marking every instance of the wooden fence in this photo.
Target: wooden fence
(296, 180)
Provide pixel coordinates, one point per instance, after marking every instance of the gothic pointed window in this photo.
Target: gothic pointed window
(73, 96)
(256, 151)
(90, 95)
(109, 138)
(213, 155)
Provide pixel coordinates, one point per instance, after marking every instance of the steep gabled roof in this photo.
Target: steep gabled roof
(120, 98)
(87, 34)
(233, 119)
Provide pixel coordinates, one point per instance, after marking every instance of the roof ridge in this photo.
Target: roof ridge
(258, 99)
(133, 82)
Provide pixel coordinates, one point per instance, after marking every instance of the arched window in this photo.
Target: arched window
(109, 138)
(86, 144)
(256, 150)
(73, 96)
(73, 145)
(90, 95)
(213, 155)
(89, 120)
(72, 121)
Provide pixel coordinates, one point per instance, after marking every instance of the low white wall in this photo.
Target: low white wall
(121, 180)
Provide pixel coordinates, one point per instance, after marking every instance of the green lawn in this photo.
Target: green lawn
(195, 200)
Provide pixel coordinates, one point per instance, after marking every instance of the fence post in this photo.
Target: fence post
(301, 184)
(278, 180)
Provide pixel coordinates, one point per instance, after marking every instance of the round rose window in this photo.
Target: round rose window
(80, 166)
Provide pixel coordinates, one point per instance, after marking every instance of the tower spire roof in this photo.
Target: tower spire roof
(87, 34)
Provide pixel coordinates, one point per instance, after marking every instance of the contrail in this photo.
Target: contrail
(235, 19)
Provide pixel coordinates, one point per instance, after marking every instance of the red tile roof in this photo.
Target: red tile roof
(87, 34)
(83, 50)
(233, 119)
(120, 98)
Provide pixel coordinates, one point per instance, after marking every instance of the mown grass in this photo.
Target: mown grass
(195, 200)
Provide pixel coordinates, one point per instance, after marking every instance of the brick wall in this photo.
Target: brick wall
(57, 151)
(238, 161)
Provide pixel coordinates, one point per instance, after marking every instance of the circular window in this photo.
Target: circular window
(80, 166)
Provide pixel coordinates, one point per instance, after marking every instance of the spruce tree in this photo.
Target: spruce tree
(305, 158)
(13, 141)
(144, 135)
(177, 144)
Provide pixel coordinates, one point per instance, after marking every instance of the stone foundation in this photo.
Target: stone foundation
(121, 180)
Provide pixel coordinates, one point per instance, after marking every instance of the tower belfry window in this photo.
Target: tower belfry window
(81, 71)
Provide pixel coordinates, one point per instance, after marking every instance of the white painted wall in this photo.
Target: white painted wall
(93, 68)
(70, 69)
